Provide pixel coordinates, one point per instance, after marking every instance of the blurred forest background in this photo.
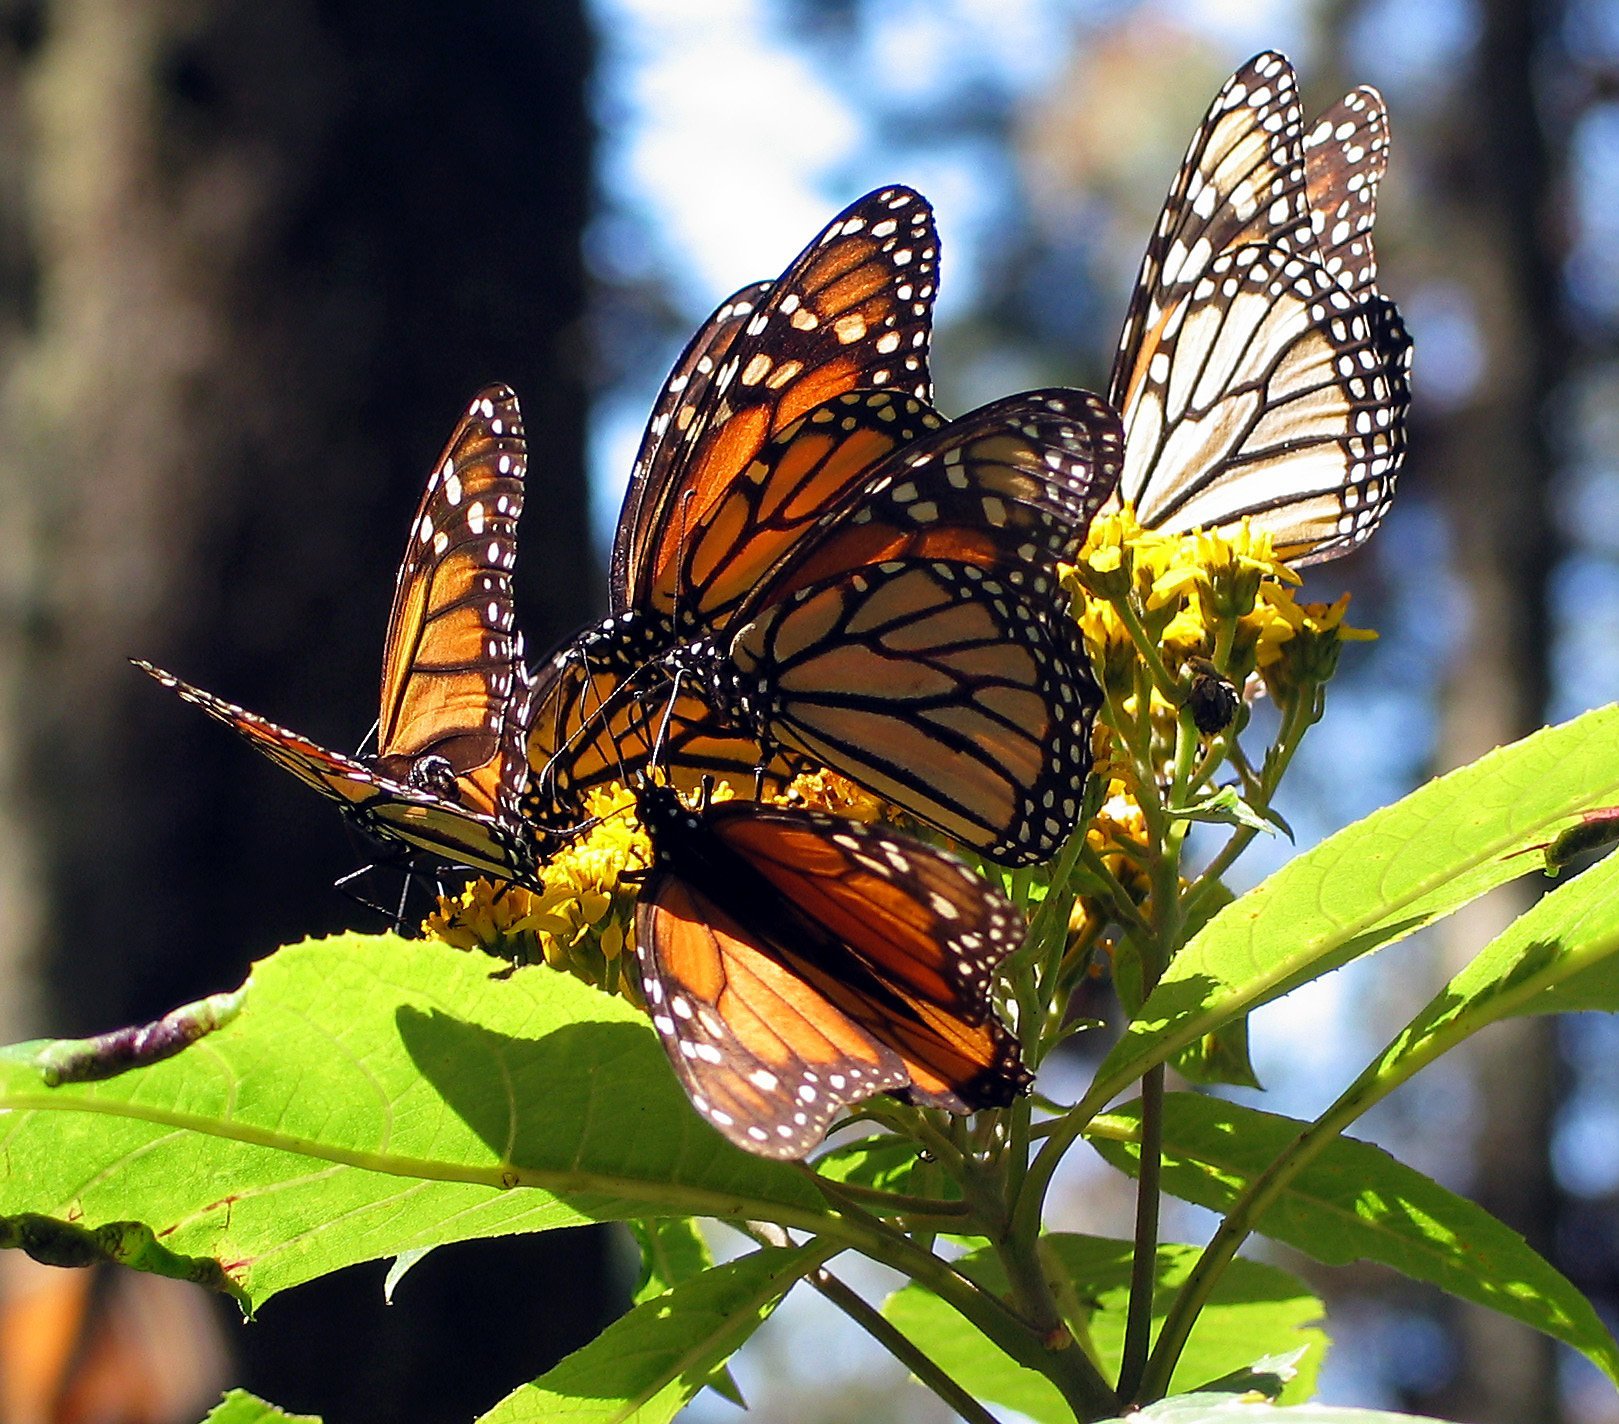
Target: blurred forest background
(254, 255)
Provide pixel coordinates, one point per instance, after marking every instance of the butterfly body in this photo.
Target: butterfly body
(795, 963)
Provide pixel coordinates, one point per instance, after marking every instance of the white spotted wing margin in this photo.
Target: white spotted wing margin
(796, 964)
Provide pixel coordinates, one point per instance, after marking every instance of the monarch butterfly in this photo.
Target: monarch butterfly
(451, 760)
(850, 312)
(1260, 372)
(795, 963)
(913, 640)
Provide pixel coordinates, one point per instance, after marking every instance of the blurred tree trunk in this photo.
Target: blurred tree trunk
(1497, 469)
(255, 256)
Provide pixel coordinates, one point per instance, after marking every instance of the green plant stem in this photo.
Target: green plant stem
(925, 1210)
(1144, 1263)
(1069, 1369)
(916, 1126)
(1297, 721)
(1162, 678)
(900, 1347)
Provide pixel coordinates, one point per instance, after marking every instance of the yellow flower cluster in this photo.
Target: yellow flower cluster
(582, 920)
(1220, 595)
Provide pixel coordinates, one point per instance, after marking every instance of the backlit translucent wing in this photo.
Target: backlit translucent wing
(376, 803)
(946, 692)
(1260, 374)
(1345, 156)
(852, 311)
(917, 642)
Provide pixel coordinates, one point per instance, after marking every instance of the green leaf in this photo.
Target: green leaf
(1354, 1202)
(1256, 1310)
(1224, 807)
(1219, 1057)
(1210, 1408)
(649, 1364)
(888, 1163)
(673, 1250)
(375, 1096)
(1557, 957)
(240, 1407)
(1373, 883)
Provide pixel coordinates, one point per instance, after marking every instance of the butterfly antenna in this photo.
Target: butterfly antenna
(369, 737)
(661, 741)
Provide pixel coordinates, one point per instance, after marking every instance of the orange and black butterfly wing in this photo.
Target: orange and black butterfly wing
(453, 695)
(954, 695)
(851, 312)
(756, 1048)
(378, 804)
(599, 719)
(796, 964)
(1009, 488)
(1345, 157)
(684, 401)
(916, 642)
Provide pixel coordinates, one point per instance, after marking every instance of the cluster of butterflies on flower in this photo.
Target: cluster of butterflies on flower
(813, 567)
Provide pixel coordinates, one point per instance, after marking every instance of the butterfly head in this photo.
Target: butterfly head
(434, 775)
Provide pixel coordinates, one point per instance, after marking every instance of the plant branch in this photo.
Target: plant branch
(1144, 1262)
(900, 1347)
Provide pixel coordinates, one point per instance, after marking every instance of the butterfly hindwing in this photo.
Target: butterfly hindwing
(954, 695)
(1345, 157)
(796, 963)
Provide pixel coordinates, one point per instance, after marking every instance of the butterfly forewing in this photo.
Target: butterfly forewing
(1345, 156)
(1010, 487)
(851, 312)
(377, 803)
(664, 444)
(452, 663)
(1242, 181)
(796, 963)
